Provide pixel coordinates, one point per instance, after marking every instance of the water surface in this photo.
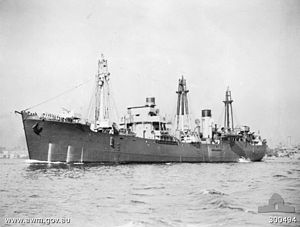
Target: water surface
(148, 195)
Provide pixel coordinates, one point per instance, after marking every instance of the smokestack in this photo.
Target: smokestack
(150, 101)
(206, 124)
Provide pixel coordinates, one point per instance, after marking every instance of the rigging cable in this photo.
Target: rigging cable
(114, 107)
(221, 118)
(91, 108)
(61, 94)
(236, 120)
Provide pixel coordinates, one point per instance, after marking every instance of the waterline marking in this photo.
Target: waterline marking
(46, 221)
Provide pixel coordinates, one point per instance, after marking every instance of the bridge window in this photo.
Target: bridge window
(155, 125)
(163, 126)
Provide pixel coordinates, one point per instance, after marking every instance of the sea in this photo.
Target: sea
(169, 194)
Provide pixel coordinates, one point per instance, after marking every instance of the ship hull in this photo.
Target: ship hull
(253, 152)
(55, 141)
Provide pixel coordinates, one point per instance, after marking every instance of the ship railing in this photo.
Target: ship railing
(54, 117)
(126, 132)
(32, 115)
(168, 139)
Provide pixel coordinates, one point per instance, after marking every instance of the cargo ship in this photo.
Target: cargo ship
(142, 136)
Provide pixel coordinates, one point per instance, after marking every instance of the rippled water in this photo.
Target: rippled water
(148, 195)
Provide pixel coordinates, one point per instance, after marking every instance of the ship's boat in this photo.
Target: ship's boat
(143, 135)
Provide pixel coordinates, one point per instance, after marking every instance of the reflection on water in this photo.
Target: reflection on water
(147, 195)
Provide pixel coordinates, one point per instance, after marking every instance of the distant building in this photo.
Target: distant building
(13, 154)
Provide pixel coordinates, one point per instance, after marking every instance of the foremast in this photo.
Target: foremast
(102, 99)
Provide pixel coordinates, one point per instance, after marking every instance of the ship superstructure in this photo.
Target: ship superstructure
(145, 122)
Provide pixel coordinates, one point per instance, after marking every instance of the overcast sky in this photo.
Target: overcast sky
(47, 47)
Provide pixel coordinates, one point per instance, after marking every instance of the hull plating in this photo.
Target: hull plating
(70, 142)
(253, 152)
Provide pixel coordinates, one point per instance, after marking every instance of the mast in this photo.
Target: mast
(228, 118)
(102, 105)
(182, 106)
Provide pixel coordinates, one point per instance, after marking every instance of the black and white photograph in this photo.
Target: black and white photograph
(150, 113)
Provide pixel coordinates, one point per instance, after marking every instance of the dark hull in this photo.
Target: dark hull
(247, 150)
(73, 142)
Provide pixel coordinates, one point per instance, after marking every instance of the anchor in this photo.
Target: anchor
(37, 130)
